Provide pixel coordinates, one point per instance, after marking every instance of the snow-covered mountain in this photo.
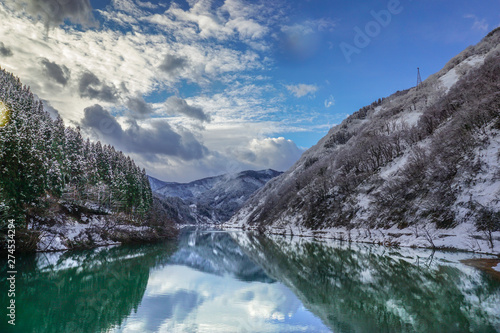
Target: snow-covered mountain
(156, 183)
(422, 163)
(209, 200)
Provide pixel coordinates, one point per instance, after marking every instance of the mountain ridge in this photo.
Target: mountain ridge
(212, 199)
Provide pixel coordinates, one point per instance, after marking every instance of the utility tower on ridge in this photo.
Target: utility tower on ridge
(419, 79)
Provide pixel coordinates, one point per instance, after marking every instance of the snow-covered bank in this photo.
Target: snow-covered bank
(94, 231)
(464, 237)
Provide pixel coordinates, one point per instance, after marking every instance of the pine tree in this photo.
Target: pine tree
(40, 156)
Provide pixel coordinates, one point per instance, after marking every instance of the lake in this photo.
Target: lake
(217, 281)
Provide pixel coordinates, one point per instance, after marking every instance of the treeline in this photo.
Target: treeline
(41, 160)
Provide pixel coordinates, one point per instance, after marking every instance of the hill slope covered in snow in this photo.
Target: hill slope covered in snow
(420, 167)
(209, 200)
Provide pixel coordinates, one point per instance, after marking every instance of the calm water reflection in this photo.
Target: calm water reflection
(211, 285)
(81, 291)
(237, 282)
(365, 288)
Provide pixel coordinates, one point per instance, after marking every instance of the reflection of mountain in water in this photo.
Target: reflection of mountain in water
(87, 291)
(362, 290)
(210, 285)
(155, 311)
(216, 253)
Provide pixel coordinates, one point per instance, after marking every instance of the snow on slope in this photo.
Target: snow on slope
(485, 189)
(224, 183)
(214, 199)
(156, 183)
(449, 79)
(68, 234)
(315, 196)
(463, 237)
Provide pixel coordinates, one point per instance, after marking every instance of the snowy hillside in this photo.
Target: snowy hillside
(422, 159)
(210, 200)
(156, 183)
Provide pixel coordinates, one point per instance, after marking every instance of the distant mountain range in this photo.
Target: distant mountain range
(209, 200)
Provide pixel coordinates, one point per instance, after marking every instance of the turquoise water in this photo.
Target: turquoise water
(212, 281)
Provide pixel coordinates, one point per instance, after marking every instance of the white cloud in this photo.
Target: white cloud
(479, 24)
(329, 102)
(244, 18)
(230, 150)
(309, 27)
(248, 29)
(75, 69)
(129, 7)
(146, 4)
(277, 153)
(114, 57)
(301, 90)
(240, 103)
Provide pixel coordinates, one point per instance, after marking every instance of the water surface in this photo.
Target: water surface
(212, 281)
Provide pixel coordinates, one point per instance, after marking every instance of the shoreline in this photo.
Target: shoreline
(90, 233)
(460, 238)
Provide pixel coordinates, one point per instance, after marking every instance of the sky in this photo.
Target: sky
(198, 88)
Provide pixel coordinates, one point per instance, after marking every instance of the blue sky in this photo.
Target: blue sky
(193, 88)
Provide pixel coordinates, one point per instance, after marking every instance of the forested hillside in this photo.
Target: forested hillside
(48, 172)
(419, 161)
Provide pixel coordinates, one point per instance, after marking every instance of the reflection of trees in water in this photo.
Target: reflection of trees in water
(100, 292)
(364, 291)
